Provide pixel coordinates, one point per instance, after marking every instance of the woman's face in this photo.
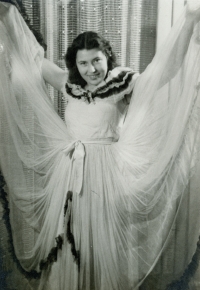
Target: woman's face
(92, 66)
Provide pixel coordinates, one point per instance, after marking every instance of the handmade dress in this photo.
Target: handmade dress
(95, 200)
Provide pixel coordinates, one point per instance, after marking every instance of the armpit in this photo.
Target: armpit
(127, 98)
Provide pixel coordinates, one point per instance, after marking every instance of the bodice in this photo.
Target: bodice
(100, 114)
(98, 120)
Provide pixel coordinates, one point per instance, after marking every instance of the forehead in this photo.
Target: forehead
(89, 54)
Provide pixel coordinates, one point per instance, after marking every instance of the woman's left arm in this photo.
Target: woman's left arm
(182, 44)
(54, 75)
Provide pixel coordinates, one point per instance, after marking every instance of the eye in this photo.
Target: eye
(83, 63)
(97, 60)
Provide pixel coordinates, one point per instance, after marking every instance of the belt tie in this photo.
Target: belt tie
(77, 149)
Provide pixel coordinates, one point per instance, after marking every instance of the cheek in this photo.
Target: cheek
(105, 65)
(81, 70)
(105, 68)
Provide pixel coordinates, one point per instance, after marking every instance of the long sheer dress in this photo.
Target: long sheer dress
(94, 200)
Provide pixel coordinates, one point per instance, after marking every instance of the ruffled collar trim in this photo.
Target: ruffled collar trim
(117, 81)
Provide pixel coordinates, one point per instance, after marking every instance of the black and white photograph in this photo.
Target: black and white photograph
(99, 144)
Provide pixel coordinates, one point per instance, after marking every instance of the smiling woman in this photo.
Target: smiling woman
(81, 63)
(97, 197)
(92, 66)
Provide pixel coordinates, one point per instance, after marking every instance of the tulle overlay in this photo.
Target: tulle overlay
(113, 185)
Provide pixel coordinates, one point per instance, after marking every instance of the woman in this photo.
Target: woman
(97, 197)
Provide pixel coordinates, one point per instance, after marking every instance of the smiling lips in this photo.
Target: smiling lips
(93, 76)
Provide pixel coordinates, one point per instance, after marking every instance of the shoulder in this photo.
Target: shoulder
(121, 76)
(118, 70)
(121, 82)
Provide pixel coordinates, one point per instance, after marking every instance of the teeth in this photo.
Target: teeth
(93, 77)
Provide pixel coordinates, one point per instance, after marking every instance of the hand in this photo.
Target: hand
(193, 10)
(4, 7)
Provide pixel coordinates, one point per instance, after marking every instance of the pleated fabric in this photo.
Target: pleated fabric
(99, 197)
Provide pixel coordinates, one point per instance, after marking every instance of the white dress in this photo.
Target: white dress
(95, 259)
(95, 201)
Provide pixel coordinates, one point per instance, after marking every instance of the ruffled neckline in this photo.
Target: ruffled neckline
(117, 81)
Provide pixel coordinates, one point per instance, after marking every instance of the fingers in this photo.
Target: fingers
(193, 5)
(193, 10)
(4, 9)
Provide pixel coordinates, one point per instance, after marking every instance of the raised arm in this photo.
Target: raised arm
(182, 43)
(54, 75)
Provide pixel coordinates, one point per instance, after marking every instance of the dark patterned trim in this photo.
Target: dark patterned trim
(69, 197)
(52, 257)
(183, 282)
(6, 218)
(115, 86)
(70, 236)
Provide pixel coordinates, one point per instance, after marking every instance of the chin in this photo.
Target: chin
(96, 82)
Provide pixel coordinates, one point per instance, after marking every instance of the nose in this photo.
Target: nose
(91, 68)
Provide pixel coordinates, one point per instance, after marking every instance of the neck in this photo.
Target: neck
(90, 88)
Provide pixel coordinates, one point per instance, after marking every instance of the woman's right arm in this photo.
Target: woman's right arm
(54, 75)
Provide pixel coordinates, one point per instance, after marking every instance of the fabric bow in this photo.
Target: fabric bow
(78, 154)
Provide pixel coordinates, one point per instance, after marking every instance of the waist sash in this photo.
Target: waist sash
(77, 149)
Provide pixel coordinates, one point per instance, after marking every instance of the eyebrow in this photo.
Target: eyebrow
(79, 61)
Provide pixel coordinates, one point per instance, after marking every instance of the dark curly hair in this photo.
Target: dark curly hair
(87, 40)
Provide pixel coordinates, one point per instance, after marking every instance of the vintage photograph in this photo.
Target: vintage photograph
(99, 144)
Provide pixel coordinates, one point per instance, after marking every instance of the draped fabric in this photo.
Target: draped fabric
(168, 14)
(154, 160)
